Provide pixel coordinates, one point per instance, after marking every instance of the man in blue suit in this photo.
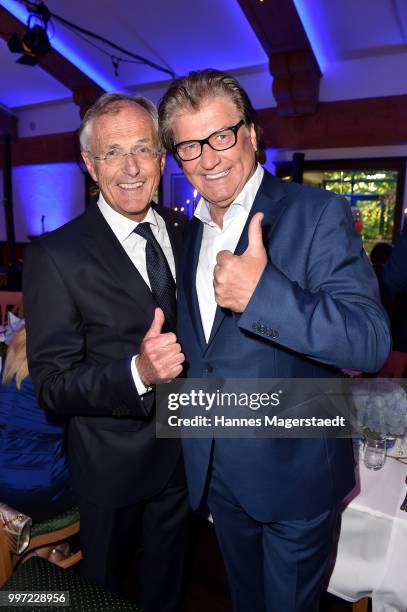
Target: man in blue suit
(275, 284)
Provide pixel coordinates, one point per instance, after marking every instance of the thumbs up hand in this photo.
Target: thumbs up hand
(157, 324)
(160, 358)
(235, 277)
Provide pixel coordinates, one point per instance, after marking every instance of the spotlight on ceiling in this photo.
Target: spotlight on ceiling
(14, 44)
(33, 44)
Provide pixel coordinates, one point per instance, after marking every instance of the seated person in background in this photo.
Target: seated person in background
(379, 254)
(393, 287)
(33, 467)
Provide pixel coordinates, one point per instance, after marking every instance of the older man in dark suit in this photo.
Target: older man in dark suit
(275, 285)
(100, 309)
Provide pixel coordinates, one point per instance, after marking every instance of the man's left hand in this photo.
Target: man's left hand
(235, 277)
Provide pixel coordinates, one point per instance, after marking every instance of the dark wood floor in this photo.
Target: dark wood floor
(207, 585)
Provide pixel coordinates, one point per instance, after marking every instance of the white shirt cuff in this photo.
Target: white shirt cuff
(140, 386)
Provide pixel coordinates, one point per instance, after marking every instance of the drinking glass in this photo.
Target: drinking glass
(374, 451)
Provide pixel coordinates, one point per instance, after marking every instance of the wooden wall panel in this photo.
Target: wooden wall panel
(46, 149)
(349, 123)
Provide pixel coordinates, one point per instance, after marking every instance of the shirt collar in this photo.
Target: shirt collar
(245, 198)
(121, 226)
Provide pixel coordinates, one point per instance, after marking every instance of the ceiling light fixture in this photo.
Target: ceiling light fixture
(34, 43)
(37, 9)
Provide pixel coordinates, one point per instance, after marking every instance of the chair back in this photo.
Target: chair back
(6, 565)
(10, 301)
(49, 532)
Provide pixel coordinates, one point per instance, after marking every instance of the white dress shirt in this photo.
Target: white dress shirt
(215, 239)
(135, 247)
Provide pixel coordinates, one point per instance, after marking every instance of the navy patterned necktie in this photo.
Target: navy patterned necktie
(159, 274)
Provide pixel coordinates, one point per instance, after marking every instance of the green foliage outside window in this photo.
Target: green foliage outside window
(372, 192)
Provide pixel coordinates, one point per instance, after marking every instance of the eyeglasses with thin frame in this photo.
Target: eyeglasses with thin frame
(116, 156)
(221, 140)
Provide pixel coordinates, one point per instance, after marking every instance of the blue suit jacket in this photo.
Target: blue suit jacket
(315, 309)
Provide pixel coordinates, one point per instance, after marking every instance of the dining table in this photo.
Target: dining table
(371, 555)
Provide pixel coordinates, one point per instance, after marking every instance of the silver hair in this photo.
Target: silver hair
(112, 103)
(193, 90)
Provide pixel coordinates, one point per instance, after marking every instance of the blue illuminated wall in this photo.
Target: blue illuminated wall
(53, 191)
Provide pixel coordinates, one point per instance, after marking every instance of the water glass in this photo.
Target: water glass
(374, 452)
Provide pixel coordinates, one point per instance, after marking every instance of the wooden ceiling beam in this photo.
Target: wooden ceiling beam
(56, 65)
(292, 62)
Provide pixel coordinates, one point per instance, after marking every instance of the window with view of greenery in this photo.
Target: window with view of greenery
(371, 194)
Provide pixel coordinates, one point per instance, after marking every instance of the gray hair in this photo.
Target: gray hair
(189, 93)
(112, 103)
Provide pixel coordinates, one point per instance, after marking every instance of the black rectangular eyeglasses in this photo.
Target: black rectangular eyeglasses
(221, 140)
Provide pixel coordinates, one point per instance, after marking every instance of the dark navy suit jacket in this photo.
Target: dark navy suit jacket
(315, 310)
(87, 311)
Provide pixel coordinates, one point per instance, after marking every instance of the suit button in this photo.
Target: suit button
(209, 369)
(262, 328)
(275, 333)
(121, 411)
(255, 326)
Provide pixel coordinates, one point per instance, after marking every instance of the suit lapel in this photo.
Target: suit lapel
(192, 249)
(174, 228)
(116, 261)
(175, 233)
(271, 201)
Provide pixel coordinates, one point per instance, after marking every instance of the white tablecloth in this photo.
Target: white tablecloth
(372, 548)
